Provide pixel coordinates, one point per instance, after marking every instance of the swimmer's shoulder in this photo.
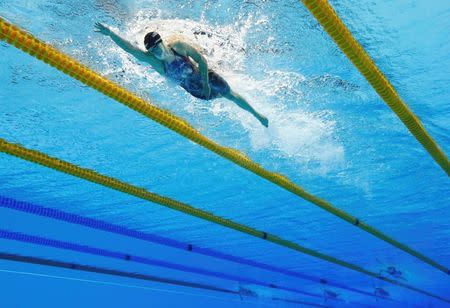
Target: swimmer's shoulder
(175, 40)
(180, 43)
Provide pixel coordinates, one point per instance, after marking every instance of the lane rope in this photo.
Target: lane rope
(41, 241)
(101, 225)
(99, 270)
(95, 177)
(107, 271)
(50, 55)
(341, 35)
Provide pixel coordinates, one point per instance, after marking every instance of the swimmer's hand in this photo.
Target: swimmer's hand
(101, 28)
(264, 121)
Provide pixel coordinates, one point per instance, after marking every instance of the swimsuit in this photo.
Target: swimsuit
(187, 75)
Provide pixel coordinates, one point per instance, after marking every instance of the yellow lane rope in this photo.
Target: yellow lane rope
(95, 177)
(50, 55)
(334, 26)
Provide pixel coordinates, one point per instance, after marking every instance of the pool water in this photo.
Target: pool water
(329, 132)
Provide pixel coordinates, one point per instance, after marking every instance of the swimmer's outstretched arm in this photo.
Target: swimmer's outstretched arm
(121, 42)
(130, 48)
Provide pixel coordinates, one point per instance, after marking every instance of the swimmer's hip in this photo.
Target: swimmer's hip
(219, 86)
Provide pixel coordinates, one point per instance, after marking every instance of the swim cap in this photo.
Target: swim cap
(151, 39)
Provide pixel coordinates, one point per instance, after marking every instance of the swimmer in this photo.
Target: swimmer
(328, 294)
(391, 270)
(183, 63)
(381, 292)
(243, 291)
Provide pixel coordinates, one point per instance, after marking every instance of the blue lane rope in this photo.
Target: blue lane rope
(112, 272)
(42, 241)
(153, 238)
(107, 271)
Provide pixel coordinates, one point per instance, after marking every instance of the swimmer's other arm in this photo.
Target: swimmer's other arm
(130, 48)
(187, 50)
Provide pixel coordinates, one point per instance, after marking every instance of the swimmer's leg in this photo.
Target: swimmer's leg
(242, 102)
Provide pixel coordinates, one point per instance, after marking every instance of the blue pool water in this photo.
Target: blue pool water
(329, 132)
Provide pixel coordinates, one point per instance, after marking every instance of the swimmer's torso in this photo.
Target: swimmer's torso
(184, 72)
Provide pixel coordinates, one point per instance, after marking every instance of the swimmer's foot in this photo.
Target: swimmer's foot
(264, 121)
